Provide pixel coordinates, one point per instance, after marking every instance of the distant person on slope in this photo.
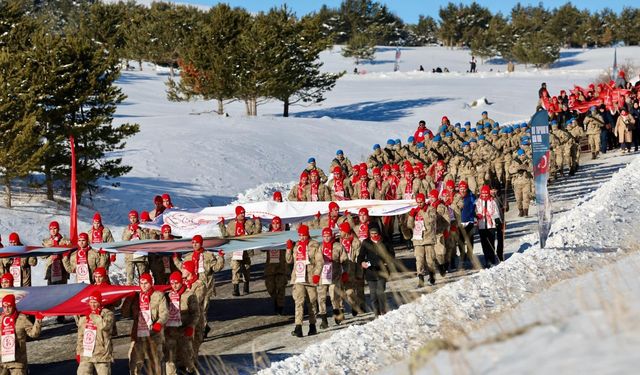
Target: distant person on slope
(472, 64)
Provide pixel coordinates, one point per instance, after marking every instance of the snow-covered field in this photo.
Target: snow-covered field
(203, 159)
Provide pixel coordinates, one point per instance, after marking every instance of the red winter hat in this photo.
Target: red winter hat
(327, 231)
(624, 113)
(133, 213)
(408, 168)
(463, 184)
(175, 276)
(157, 199)
(337, 169)
(54, 224)
(146, 277)
(166, 196)
(277, 196)
(440, 163)
(144, 216)
(376, 170)
(276, 219)
(95, 296)
(434, 194)
(386, 167)
(395, 167)
(165, 228)
(444, 118)
(485, 189)
(13, 237)
(189, 266)
(83, 236)
(314, 172)
(363, 165)
(239, 210)
(197, 238)
(418, 166)
(100, 271)
(333, 206)
(303, 230)
(363, 173)
(345, 227)
(97, 217)
(7, 276)
(450, 185)
(420, 196)
(10, 299)
(364, 211)
(304, 174)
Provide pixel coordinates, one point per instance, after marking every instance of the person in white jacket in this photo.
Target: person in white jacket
(487, 212)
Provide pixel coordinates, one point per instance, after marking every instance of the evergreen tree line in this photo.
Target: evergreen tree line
(529, 34)
(56, 81)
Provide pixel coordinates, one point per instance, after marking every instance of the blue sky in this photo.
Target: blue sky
(409, 10)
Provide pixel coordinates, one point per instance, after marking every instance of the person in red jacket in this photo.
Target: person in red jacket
(421, 133)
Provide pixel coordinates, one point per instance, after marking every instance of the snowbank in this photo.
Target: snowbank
(579, 242)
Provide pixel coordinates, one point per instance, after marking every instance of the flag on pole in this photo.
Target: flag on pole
(73, 215)
(614, 71)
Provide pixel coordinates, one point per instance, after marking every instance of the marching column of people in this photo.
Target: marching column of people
(455, 177)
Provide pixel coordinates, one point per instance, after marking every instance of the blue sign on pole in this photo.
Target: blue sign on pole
(541, 160)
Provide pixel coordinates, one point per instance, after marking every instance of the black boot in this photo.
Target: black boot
(442, 269)
(312, 330)
(338, 316)
(324, 324)
(236, 290)
(525, 212)
(297, 332)
(275, 307)
(420, 281)
(280, 310)
(207, 329)
(432, 278)
(520, 212)
(246, 287)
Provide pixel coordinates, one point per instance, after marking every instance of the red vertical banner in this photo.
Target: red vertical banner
(73, 215)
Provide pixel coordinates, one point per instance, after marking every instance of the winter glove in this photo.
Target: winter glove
(188, 332)
(156, 327)
(413, 212)
(347, 213)
(344, 277)
(316, 279)
(255, 217)
(112, 258)
(78, 358)
(221, 219)
(454, 229)
(66, 253)
(479, 216)
(446, 234)
(289, 244)
(39, 316)
(101, 251)
(221, 253)
(317, 215)
(175, 255)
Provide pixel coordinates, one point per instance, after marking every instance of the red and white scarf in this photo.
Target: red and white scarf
(82, 265)
(240, 228)
(175, 319)
(363, 231)
(301, 250)
(346, 243)
(9, 337)
(338, 187)
(89, 336)
(364, 190)
(314, 191)
(16, 271)
(144, 316)
(327, 251)
(300, 192)
(96, 235)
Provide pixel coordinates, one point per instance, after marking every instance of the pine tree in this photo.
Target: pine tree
(425, 31)
(20, 151)
(208, 57)
(295, 75)
(361, 47)
(79, 76)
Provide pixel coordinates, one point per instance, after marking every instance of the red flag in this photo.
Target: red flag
(73, 215)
